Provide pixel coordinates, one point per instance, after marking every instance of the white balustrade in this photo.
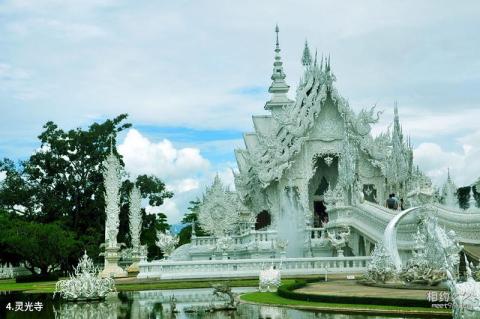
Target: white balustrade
(168, 269)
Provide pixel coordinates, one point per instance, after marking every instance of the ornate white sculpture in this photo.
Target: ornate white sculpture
(166, 242)
(220, 210)
(301, 142)
(339, 238)
(223, 244)
(135, 223)
(449, 192)
(472, 202)
(135, 218)
(84, 284)
(110, 309)
(6, 271)
(270, 279)
(112, 183)
(381, 268)
(465, 295)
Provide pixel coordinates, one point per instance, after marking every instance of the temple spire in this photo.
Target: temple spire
(279, 88)
(397, 129)
(306, 56)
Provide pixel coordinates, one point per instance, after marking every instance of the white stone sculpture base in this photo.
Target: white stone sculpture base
(111, 267)
(133, 268)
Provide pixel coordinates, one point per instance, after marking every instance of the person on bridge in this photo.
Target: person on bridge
(392, 202)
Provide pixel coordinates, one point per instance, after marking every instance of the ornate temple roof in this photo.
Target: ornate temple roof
(280, 136)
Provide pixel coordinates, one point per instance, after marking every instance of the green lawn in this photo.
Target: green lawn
(274, 299)
(49, 287)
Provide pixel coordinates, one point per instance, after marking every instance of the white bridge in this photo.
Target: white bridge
(238, 268)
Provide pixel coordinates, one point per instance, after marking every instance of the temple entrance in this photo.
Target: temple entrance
(320, 214)
(263, 220)
(326, 175)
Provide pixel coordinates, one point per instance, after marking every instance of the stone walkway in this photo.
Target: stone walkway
(351, 288)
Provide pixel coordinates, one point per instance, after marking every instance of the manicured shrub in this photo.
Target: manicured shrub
(288, 291)
(36, 278)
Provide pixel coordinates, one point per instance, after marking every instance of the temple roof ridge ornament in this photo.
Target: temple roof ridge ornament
(306, 56)
(279, 87)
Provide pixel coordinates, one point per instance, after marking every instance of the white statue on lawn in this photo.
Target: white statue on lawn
(84, 284)
(465, 296)
(270, 279)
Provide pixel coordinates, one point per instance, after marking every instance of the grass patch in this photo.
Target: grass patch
(49, 287)
(271, 298)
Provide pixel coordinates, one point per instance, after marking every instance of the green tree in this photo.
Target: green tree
(37, 245)
(185, 235)
(151, 224)
(62, 182)
(463, 194)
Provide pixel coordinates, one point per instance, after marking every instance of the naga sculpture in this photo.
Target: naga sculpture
(339, 239)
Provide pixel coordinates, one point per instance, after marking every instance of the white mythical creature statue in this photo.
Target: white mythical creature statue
(334, 197)
(338, 239)
(465, 296)
(166, 242)
(223, 244)
(84, 284)
(270, 279)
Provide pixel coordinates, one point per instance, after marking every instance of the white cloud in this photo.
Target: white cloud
(464, 166)
(141, 156)
(184, 170)
(226, 175)
(3, 175)
(184, 185)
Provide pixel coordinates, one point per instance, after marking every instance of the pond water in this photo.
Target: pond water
(151, 304)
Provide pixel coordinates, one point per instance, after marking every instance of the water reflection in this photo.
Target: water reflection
(80, 310)
(155, 305)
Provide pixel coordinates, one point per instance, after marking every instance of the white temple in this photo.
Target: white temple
(312, 183)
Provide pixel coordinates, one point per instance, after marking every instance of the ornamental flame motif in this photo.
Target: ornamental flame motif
(219, 210)
(112, 183)
(135, 218)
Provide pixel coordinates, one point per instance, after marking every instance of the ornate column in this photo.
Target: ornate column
(135, 223)
(112, 182)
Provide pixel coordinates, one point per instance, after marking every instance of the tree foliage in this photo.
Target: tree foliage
(62, 183)
(185, 235)
(43, 246)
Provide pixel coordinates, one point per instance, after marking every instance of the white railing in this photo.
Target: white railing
(166, 269)
(315, 232)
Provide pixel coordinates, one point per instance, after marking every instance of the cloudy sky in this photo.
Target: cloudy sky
(191, 73)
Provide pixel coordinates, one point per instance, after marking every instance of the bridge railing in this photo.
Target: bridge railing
(167, 269)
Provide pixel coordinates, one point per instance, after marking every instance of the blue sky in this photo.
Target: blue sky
(191, 73)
